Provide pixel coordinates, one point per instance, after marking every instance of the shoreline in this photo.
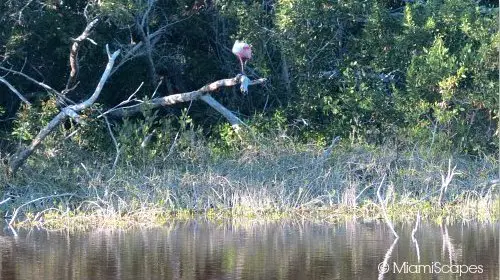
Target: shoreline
(53, 219)
(272, 180)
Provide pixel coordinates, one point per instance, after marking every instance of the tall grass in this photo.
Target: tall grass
(260, 177)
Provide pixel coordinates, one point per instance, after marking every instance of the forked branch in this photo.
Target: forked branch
(73, 55)
(18, 159)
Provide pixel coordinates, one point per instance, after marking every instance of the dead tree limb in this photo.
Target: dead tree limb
(189, 96)
(445, 182)
(192, 95)
(134, 51)
(233, 120)
(73, 54)
(143, 30)
(14, 90)
(149, 55)
(18, 159)
(16, 211)
(41, 84)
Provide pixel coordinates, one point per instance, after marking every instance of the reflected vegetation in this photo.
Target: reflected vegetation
(280, 250)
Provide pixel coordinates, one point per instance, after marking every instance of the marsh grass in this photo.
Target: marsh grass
(263, 178)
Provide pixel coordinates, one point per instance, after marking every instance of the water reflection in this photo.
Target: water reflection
(292, 250)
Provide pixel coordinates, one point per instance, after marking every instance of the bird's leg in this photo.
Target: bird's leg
(245, 63)
(242, 65)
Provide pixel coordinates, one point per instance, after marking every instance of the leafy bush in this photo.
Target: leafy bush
(369, 71)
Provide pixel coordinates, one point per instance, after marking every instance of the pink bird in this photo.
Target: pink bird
(243, 51)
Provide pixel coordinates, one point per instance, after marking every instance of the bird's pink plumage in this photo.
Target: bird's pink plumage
(242, 50)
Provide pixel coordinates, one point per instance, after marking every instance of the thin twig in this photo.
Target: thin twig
(43, 85)
(16, 211)
(157, 87)
(128, 100)
(14, 90)
(21, 11)
(5, 200)
(362, 191)
(72, 133)
(117, 146)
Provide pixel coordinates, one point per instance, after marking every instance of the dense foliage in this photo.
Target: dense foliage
(367, 71)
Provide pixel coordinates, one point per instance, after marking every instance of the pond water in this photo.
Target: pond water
(274, 250)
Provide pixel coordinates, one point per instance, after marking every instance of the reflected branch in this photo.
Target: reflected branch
(385, 262)
(447, 245)
(383, 207)
(413, 239)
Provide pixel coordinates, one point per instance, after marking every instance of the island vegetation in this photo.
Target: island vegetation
(130, 112)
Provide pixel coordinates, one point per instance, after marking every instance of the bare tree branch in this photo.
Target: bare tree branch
(130, 99)
(182, 97)
(73, 55)
(43, 85)
(133, 52)
(87, 103)
(147, 44)
(146, 13)
(20, 157)
(445, 181)
(22, 10)
(14, 90)
(233, 120)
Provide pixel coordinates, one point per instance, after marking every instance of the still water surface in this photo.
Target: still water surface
(280, 250)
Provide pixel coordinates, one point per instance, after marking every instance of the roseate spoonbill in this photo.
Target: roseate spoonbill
(243, 51)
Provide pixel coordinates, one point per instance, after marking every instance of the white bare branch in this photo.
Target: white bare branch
(446, 180)
(20, 157)
(188, 96)
(384, 210)
(41, 84)
(14, 90)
